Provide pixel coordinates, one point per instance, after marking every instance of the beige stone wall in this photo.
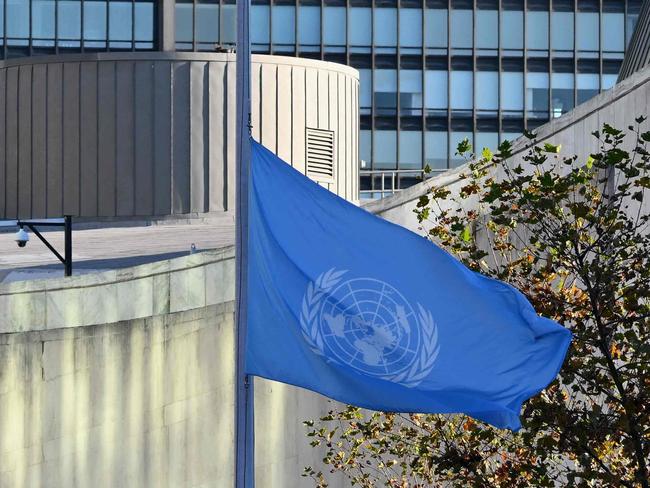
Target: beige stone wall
(126, 379)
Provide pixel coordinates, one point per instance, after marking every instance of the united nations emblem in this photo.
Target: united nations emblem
(368, 325)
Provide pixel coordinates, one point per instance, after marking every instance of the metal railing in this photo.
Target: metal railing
(384, 183)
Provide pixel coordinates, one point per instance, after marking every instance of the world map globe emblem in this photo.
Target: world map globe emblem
(367, 324)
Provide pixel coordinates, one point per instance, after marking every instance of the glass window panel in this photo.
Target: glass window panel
(461, 28)
(365, 148)
(385, 31)
(436, 28)
(613, 32)
(512, 29)
(630, 23)
(537, 94)
(229, 24)
(17, 18)
(410, 149)
(120, 21)
(95, 21)
(385, 149)
(488, 140)
(561, 93)
(588, 85)
(436, 92)
(461, 90)
(334, 21)
(144, 21)
(284, 18)
(587, 31)
(487, 90)
(69, 19)
(537, 30)
(512, 91)
(410, 87)
(608, 81)
(410, 27)
(435, 149)
(206, 17)
(360, 27)
(456, 138)
(183, 19)
(309, 25)
(365, 87)
(260, 23)
(42, 19)
(487, 29)
(562, 30)
(385, 89)
(509, 136)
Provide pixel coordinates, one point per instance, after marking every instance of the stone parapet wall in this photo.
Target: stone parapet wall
(126, 379)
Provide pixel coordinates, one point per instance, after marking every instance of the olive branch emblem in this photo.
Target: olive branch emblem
(410, 377)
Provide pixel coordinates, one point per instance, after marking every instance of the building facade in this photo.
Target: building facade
(128, 135)
(433, 72)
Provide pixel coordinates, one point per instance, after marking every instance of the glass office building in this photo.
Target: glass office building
(433, 72)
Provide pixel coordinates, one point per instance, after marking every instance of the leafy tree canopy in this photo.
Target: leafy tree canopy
(573, 236)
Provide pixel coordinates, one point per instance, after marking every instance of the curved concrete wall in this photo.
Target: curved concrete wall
(152, 134)
(127, 379)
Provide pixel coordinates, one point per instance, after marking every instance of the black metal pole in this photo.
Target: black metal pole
(68, 245)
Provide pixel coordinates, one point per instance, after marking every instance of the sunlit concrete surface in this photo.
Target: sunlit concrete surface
(125, 378)
(98, 249)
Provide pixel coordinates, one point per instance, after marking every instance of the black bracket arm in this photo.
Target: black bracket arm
(66, 259)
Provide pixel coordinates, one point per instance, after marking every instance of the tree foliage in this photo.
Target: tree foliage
(573, 236)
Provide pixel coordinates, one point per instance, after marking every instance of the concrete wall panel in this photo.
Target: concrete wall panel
(299, 120)
(284, 117)
(3, 146)
(71, 162)
(11, 141)
(106, 150)
(54, 140)
(87, 137)
(162, 117)
(199, 139)
(117, 135)
(217, 148)
(181, 138)
(124, 138)
(97, 390)
(144, 138)
(25, 141)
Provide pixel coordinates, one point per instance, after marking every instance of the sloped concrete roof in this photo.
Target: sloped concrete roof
(637, 55)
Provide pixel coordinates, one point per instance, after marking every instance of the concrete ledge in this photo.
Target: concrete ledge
(163, 287)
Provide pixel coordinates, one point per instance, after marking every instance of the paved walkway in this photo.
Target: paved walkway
(110, 248)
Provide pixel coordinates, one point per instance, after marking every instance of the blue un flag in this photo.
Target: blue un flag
(368, 313)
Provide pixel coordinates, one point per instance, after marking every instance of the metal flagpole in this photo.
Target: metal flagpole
(244, 427)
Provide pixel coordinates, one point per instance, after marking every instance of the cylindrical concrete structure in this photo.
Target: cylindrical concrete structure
(120, 135)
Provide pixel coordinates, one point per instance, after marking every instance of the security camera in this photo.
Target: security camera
(22, 237)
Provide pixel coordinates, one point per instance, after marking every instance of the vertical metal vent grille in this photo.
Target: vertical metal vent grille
(320, 154)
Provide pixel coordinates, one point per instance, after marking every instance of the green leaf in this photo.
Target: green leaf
(487, 154)
(612, 131)
(552, 148)
(467, 235)
(463, 147)
(590, 162)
